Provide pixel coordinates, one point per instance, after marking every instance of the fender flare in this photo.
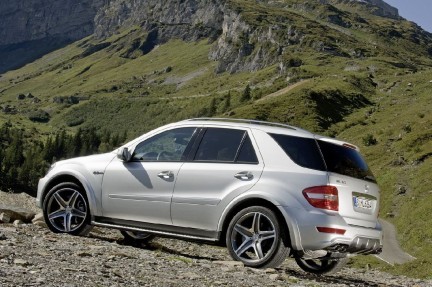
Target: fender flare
(90, 192)
(290, 220)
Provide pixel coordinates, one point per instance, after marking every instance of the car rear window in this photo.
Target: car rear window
(345, 160)
(325, 156)
(303, 151)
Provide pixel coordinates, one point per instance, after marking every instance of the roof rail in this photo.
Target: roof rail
(246, 121)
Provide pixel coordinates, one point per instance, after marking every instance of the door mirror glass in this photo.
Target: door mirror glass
(124, 154)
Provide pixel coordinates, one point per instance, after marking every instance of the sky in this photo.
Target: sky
(418, 11)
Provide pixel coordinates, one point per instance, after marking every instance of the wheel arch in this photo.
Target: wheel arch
(253, 201)
(74, 178)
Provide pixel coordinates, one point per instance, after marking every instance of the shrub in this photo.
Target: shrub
(369, 140)
(39, 116)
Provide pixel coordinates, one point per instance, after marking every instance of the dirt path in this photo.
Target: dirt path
(283, 91)
(392, 252)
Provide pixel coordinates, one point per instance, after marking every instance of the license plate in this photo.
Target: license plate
(362, 202)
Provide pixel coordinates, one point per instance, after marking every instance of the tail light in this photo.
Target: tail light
(324, 197)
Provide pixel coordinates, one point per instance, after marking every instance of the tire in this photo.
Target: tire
(137, 237)
(255, 237)
(317, 266)
(66, 209)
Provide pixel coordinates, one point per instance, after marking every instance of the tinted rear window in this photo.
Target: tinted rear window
(220, 145)
(345, 160)
(303, 151)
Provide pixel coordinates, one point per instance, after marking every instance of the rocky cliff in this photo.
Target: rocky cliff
(381, 8)
(187, 20)
(31, 28)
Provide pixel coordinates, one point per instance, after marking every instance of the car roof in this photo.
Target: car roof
(269, 127)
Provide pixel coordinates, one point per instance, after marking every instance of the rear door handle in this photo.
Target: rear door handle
(244, 175)
(166, 174)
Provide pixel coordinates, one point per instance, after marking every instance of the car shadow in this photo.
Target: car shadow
(151, 246)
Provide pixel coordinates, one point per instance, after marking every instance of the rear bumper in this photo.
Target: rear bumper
(305, 236)
(360, 245)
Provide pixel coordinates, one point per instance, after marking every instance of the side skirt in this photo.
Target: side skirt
(157, 229)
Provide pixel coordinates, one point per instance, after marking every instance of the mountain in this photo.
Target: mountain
(352, 69)
(32, 28)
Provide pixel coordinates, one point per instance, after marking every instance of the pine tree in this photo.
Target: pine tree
(227, 104)
(212, 108)
(246, 95)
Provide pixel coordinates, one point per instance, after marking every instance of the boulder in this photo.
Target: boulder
(15, 213)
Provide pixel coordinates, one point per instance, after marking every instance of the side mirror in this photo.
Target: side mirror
(124, 154)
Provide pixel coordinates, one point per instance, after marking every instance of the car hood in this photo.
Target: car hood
(92, 163)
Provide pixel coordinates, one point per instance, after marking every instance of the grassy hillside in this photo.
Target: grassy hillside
(368, 82)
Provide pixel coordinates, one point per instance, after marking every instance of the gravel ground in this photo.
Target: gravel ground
(31, 255)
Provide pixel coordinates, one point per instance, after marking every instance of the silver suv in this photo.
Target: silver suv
(265, 190)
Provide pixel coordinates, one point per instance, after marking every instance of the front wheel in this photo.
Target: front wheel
(321, 266)
(255, 238)
(66, 209)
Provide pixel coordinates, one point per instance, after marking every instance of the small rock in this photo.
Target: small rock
(2, 236)
(191, 275)
(4, 218)
(229, 263)
(40, 223)
(38, 217)
(274, 277)
(21, 262)
(18, 223)
(84, 254)
(270, 270)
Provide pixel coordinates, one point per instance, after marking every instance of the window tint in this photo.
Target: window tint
(345, 160)
(303, 151)
(166, 146)
(247, 153)
(219, 145)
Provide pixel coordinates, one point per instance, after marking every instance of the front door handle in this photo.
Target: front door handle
(244, 175)
(166, 174)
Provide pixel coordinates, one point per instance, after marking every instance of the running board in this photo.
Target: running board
(156, 232)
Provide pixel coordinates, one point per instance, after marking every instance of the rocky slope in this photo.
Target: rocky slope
(31, 255)
(105, 259)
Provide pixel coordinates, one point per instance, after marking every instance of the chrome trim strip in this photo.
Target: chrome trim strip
(164, 233)
(141, 197)
(196, 200)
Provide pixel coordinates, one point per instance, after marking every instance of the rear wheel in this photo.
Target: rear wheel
(66, 209)
(255, 238)
(321, 266)
(136, 236)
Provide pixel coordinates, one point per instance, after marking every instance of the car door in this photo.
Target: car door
(226, 163)
(141, 189)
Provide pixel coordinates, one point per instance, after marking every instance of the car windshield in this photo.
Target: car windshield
(345, 160)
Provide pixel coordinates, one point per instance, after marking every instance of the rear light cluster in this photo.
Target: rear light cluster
(324, 197)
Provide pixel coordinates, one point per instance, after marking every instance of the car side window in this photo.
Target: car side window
(224, 145)
(247, 153)
(166, 146)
